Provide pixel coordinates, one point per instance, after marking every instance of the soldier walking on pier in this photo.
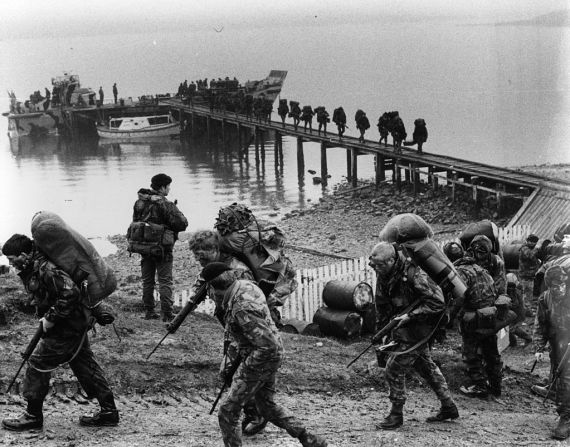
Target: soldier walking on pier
(362, 123)
(339, 118)
(115, 92)
(101, 95)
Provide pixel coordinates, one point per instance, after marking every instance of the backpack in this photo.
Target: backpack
(149, 239)
(77, 257)
(258, 244)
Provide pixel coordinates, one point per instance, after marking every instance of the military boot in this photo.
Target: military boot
(447, 411)
(103, 418)
(167, 316)
(395, 419)
(309, 440)
(254, 425)
(25, 421)
(150, 314)
(562, 430)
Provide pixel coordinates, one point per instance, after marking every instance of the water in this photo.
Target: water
(498, 95)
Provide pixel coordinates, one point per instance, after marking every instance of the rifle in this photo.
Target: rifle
(385, 330)
(175, 324)
(227, 381)
(27, 353)
(558, 371)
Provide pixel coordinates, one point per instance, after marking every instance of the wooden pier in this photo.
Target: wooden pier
(435, 170)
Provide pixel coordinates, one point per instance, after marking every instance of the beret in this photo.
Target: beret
(213, 270)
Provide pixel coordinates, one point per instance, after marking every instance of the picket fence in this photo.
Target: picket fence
(305, 301)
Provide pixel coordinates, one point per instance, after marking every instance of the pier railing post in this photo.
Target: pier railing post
(398, 174)
(348, 165)
(453, 185)
(416, 178)
(380, 168)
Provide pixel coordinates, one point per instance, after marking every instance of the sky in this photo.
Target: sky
(40, 17)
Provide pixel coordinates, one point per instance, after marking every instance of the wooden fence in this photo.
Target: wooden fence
(305, 301)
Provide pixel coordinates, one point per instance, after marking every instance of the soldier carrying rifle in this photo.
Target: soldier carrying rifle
(399, 283)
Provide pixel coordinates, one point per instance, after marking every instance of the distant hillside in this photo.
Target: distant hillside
(556, 18)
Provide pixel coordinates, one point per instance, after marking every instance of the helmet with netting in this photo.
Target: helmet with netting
(453, 251)
(555, 275)
(234, 217)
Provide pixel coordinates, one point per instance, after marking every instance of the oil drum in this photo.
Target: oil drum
(294, 326)
(338, 323)
(347, 295)
(368, 319)
(511, 255)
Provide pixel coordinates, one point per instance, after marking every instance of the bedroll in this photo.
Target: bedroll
(74, 254)
(485, 228)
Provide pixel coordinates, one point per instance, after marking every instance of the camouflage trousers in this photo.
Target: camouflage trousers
(527, 293)
(562, 385)
(258, 384)
(420, 361)
(482, 359)
(54, 351)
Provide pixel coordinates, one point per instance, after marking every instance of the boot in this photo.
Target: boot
(395, 419)
(25, 421)
(447, 411)
(542, 391)
(167, 316)
(151, 315)
(309, 440)
(103, 418)
(254, 425)
(476, 390)
(562, 430)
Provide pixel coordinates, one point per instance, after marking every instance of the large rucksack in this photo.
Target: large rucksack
(76, 256)
(149, 239)
(257, 243)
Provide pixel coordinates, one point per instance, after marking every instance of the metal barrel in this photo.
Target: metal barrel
(368, 319)
(293, 326)
(347, 295)
(511, 255)
(338, 323)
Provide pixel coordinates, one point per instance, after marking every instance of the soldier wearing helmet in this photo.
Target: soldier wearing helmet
(453, 251)
(481, 249)
(552, 327)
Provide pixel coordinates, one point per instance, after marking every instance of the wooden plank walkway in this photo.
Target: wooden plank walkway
(409, 159)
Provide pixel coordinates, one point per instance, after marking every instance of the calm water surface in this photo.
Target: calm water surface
(499, 95)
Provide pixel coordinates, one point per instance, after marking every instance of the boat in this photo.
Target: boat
(127, 127)
(39, 116)
(202, 92)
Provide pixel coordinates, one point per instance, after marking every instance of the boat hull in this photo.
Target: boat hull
(162, 131)
(32, 124)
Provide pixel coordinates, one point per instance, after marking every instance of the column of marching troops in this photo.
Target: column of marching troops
(247, 305)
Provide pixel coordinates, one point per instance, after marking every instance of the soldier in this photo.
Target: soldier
(383, 124)
(295, 113)
(153, 206)
(247, 320)
(399, 283)
(307, 117)
(205, 246)
(481, 249)
(362, 124)
(480, 352)
(515, 292)
(322, 119)
(529, 263)
(339, 118)
(101, 96)
(65, 325)
(552, 327)
(283, 110)
(115, 92)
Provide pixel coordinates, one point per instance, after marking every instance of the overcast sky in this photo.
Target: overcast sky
(44, 14)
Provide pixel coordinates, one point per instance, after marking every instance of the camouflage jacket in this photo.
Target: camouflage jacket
(495, 266)
(53, 292)
(249, 323)
(528, 262)
(552, 321)
(481, 291)
(152, 206)
(408, 283)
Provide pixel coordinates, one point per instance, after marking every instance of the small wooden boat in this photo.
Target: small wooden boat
(139, 127)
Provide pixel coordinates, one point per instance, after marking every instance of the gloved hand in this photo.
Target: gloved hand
(539, 356)
(402, 319)
(46, 325)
